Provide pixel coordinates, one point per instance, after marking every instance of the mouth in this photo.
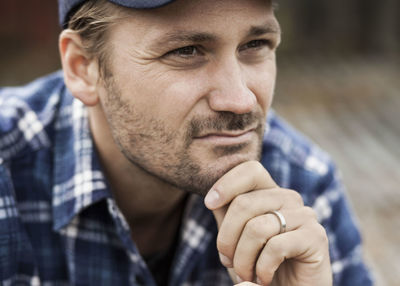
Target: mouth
(227, 137)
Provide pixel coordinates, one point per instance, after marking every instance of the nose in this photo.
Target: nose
(229, 88)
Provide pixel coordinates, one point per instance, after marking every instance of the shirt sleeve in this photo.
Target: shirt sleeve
(336, 215)
(9, 231)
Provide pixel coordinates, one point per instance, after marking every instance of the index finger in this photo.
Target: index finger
(243, 178)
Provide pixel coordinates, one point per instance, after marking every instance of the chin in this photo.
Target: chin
(203, 167)
(210, 172)
(227, 163)
(230, 156)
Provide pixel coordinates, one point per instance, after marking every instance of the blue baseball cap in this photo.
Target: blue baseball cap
(66, 6)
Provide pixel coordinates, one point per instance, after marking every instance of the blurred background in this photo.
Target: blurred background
(338, 82)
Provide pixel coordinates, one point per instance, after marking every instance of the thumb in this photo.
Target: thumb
(210, 201)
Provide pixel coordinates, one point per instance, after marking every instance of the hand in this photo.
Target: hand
(249, 242)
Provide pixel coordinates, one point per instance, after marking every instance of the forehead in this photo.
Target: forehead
(218, 17)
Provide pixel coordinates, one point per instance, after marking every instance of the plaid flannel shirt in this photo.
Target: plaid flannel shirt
(59, 224)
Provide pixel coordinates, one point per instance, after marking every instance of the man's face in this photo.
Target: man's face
(188, 87)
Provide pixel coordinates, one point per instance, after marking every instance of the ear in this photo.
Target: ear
(81, 72)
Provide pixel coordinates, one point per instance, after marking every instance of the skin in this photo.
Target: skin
(249, 241)
(185, 114)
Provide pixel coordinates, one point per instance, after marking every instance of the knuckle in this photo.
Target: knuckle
(266, 268)
(241, 203)
(264, 273)
(276, 247)
(310, 213)
(323, 235)
(320, 234)
(255, 164)
(243, 270)
(297, 198)
(259, 170)
(256, 168)
(224, 246)
(255, 228)
(292, 198)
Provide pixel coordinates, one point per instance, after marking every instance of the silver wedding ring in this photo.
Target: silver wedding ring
(281, 219)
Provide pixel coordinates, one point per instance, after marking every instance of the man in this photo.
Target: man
(161, 103)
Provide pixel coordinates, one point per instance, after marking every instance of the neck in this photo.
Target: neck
(152, 207)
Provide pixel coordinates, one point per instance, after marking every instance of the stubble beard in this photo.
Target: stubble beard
(147, 143)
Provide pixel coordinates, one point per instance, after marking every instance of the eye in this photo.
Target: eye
(185, 52)
(255, 44)
(185, 57)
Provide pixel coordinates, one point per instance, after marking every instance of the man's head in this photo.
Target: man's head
(185, 88)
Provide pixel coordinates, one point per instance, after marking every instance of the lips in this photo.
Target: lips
(225, 134)
(227, 137)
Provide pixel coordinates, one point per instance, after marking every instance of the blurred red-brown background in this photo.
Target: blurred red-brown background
(28, 40)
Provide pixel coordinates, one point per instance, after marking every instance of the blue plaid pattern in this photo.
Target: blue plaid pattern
(59, 224)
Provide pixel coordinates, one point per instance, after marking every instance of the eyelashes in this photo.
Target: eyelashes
(185, 52)
(195, 55)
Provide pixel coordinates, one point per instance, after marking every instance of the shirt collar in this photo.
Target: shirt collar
(78, 179)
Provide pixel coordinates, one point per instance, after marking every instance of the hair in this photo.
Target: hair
(92, 21)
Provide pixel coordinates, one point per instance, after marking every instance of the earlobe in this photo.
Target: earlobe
(80, 70)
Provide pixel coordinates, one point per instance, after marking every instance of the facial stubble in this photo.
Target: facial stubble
(147, 143)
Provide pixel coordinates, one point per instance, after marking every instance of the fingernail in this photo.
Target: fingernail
(212, 199)
(225, 260)
(258, 281)
(238, 279)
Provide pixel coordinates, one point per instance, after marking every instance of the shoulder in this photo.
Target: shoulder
(294, 160)
(26, 112)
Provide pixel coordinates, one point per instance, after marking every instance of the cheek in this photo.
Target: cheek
(166, 96)
(261, 82)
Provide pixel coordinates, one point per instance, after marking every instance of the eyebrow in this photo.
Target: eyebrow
(186, 37)
(177, 37)
(270, 28)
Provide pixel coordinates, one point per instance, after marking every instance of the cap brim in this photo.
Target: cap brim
(66, 7)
